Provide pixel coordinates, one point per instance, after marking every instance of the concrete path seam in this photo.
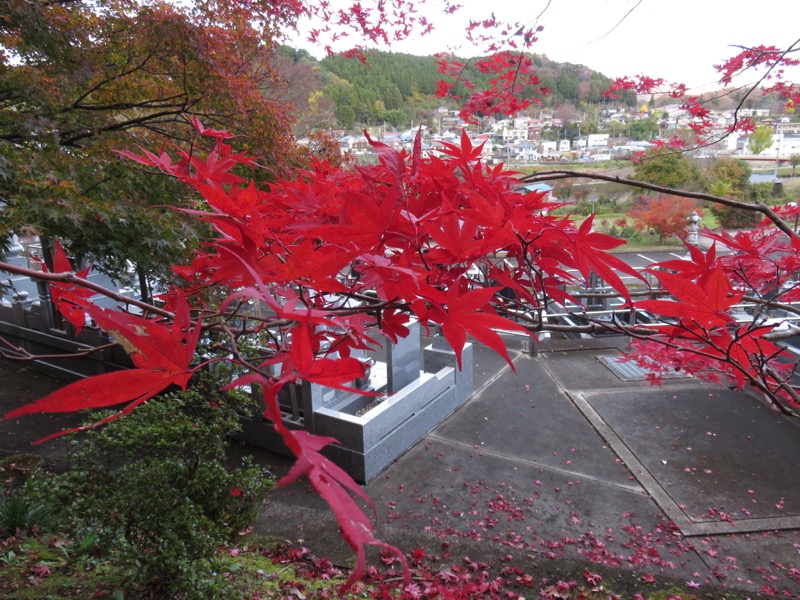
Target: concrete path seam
(638, 489)
(515, 356)
(640, 472)
(687, 526)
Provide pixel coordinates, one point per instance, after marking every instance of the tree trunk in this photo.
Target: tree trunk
(144, 288)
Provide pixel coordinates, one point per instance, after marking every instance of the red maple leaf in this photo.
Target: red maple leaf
(303, 362)
(331, 482)
(697, 305)
(654, 379)
(457, 239)
(42, 570)
(215, 133)
(587, 251)
(465, 152)
(393, 324)
(462, 317)
(389, 157)
(307, 262)
(335, 486)
(69, 298)
(700, 264)
(161, 353)
(443, 88)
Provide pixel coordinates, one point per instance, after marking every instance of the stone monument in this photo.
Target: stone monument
(417, 388)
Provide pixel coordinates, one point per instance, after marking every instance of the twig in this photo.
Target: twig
(85, 283)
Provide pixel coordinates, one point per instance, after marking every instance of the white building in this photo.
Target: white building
(521, 123)
(787, 127)
(548, 147)
(510, 135)
(499, 126)
(523, 151)
(753, 112)
(597, 140)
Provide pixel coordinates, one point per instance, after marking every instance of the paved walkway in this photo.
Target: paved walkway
(568, 460)
(565, 460)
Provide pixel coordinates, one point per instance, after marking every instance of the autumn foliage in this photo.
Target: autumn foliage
(333, 261)
(665, 215)
(708, 336)
(83, 78)
(303, 273)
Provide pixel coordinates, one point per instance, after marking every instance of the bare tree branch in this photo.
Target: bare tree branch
(85, 283)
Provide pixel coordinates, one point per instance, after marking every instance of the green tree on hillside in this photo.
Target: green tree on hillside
(642, 129)
(396, 118)
(760, 139)
(401, 80)
(669, 169)
(730, 178)
(794, 160)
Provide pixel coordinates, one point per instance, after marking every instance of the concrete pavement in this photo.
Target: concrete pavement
(565, 461)
(569, 460)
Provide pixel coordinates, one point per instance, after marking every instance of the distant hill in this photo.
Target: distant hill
(399, 88)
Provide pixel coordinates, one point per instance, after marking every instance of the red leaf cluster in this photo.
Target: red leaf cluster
(703, 332)
(69, 298)
(512, 87)
(317, 267)
(161, 353)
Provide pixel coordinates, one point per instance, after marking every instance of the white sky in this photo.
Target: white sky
(679, 40)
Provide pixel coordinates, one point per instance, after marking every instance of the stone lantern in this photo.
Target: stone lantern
(694, 228)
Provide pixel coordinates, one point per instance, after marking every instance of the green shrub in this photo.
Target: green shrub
(151, 491)
(600, 205)
(631, 234)
(20, 514)
(729, 217)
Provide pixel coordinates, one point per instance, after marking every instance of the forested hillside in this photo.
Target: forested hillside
(400, 89)
(389, 87)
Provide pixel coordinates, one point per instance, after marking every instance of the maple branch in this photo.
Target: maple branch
(754, 86)
(754, 381)
(19, 354)
(620, 22)
(124, 72)
(788, 388)
(238, 355)
(85, 283)
(754, 63)
(71, 138)
(166, 102)
(765, 371)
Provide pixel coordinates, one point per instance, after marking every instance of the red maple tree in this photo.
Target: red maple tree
(666, 215)
(339, 259)
(409, 228)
